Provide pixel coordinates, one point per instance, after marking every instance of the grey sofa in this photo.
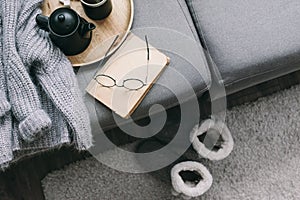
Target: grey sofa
(161, 20)
(250, 42)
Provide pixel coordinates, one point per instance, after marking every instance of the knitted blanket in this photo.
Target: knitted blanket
(40, 101)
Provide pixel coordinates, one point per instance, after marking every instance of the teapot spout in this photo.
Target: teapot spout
(91, 26)
(42, 21)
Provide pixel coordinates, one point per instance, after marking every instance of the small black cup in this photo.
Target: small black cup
(97, 9)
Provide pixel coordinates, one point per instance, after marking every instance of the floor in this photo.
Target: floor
(23, 180)
(263, 165)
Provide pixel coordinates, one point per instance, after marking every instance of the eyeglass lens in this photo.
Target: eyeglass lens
(130, 84)
(133, 84)
(105, 81)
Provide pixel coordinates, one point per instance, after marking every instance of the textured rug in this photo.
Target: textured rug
(265, 163)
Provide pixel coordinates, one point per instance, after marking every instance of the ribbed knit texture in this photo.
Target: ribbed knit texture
(53, 71)
(4, 105)
(22, 92)
(34, 123)
(35, 65)
(6, 153)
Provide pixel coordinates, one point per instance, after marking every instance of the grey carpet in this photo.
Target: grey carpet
(265, 163)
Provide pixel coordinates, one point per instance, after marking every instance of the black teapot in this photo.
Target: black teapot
(70, 32)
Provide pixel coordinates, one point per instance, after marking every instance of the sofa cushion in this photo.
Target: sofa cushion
(169, 27)
(249, 40)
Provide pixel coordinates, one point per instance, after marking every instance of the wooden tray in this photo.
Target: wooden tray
(118, 22)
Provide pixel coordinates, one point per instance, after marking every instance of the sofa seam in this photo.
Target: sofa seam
(251, 76)
(186, 18)
(199, 35)
(196, 37)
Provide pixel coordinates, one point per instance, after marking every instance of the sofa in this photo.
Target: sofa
(247, 42)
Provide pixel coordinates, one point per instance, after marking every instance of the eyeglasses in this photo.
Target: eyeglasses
(132, 83)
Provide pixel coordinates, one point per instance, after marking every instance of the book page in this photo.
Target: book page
(128, 64)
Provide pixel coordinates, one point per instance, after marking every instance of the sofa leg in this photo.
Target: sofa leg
(22, 182)
(23, 179)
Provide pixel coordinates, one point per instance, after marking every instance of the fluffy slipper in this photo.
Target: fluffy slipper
(212, 140)
(191, 179)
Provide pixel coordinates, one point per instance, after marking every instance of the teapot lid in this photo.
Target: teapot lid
(63, 21)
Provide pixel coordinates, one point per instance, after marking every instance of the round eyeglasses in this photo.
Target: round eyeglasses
(130, 84)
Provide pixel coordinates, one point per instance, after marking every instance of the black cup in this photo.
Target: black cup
(97, 9)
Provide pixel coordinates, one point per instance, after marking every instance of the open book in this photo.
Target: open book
(125, 79)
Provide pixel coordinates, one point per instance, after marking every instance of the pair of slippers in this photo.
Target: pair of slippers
(211, 140)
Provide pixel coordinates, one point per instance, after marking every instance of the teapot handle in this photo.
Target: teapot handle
(42, 21)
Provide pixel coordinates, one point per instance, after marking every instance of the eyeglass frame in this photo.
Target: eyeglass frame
(123, 84)
(143, 84)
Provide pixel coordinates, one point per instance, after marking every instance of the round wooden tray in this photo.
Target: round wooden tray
(119, 22)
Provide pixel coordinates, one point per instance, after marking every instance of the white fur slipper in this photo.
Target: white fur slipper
(195, 182)
(217, 138)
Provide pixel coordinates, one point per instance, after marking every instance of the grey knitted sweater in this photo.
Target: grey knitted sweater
(40, 101)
